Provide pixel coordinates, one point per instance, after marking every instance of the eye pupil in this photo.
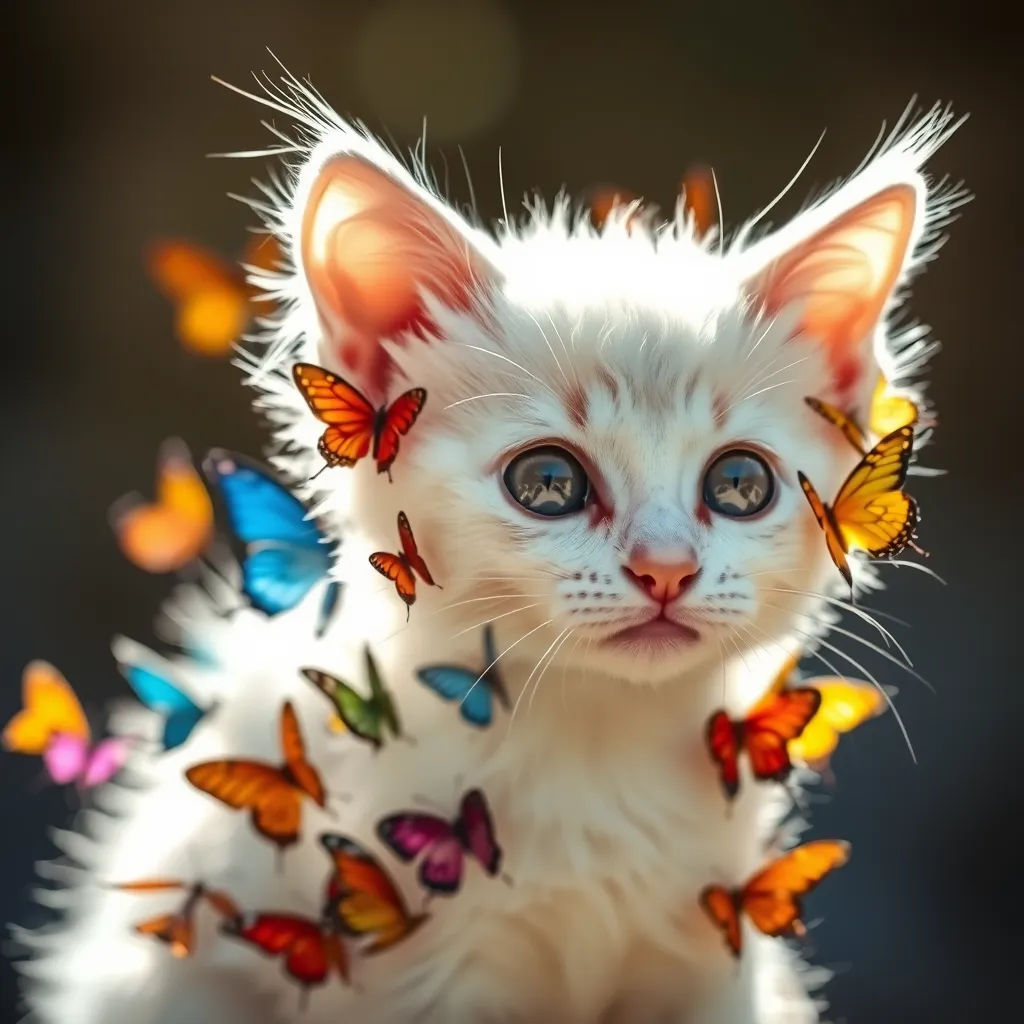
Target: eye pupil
(738, 484)
(547, 481)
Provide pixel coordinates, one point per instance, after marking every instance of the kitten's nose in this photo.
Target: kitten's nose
(664, 575)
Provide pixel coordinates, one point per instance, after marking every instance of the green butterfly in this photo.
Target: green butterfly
(365, 717)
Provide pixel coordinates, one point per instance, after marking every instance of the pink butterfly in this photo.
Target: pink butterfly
(71, 758)
(410, 833)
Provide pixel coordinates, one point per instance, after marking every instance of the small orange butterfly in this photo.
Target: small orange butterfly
(273, 794)
(165, 535)
(404, 567)
(353, 424)
(871, 512)
(214, 302)
(764, 734)
(177, 930)
(771, 899)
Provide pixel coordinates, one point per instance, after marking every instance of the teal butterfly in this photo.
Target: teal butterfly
(365, 717)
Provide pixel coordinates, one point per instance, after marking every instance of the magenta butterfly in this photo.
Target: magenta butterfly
(71, 759)
(410, 833)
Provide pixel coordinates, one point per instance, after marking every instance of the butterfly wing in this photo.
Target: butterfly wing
(65, 757)
(380, 697)
(261, 789)
(366, 900)
(724, 749)
(452, 682)
(105, 760)
(871, 511)
(841, 422)
(392, 567)
(306, 777)
(771, 899)
(720, 905)
(397, 421)
(328, 606)
(301, 942)
(834, 540)
(209, 293)
(259, 508)
(771, 724)
(49, 706)
(411, 552)
(349, 416)
(890, 411)
(408, 833)
(159, 694)
(359, 715)
(845, 704)
(173, 929)
(475, 827)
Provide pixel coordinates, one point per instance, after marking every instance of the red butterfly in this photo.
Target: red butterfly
(775, 720)
(310, 950)
(401, 567)
(353, 424)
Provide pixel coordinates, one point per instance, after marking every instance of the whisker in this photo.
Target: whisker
(493, 394)
(551, 661)
(867, 675)
(498, 355)
(910, 565)
(550, 346)
(495, 619)
(565, 668)
(502, 655)
(886, 635)
(474, 600)
(526, 685)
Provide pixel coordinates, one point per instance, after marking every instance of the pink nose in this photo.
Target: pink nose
(663, 578)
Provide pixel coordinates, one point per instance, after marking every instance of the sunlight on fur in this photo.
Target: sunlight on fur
(621, 626)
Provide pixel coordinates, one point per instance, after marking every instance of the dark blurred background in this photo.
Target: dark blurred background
(108, 116)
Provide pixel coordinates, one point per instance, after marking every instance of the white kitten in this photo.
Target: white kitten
(643, 589)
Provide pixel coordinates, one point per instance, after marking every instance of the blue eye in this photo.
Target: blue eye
(738, 484)
(547, 481)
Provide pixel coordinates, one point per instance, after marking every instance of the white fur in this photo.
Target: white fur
(606, 804)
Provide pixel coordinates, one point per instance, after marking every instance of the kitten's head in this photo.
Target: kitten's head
(615, 421)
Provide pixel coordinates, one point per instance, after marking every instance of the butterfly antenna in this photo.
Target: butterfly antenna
(318, 472)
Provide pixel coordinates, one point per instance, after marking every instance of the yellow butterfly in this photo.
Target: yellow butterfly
(50, 707)
(871, 512)
(845, 704)
(168, 534)
(889, 412)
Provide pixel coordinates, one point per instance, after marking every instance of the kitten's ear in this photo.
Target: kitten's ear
(836, 267)
(371, 243)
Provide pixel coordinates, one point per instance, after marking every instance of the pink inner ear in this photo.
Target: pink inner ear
(843, 276)
(368, 246)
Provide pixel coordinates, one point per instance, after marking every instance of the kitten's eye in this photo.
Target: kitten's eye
(548, 481)
(738, 483)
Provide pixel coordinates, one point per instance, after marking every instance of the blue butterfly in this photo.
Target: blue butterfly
(286, 554)
(474, 690)
(159, 694)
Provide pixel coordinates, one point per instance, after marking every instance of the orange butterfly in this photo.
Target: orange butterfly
(771, 898)
(353, 424)
(272, 794)
(166, 535)
(178, 930)
(779, 717)
(361, 899)
(871, 511)
(404, 567)
(215, 303)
